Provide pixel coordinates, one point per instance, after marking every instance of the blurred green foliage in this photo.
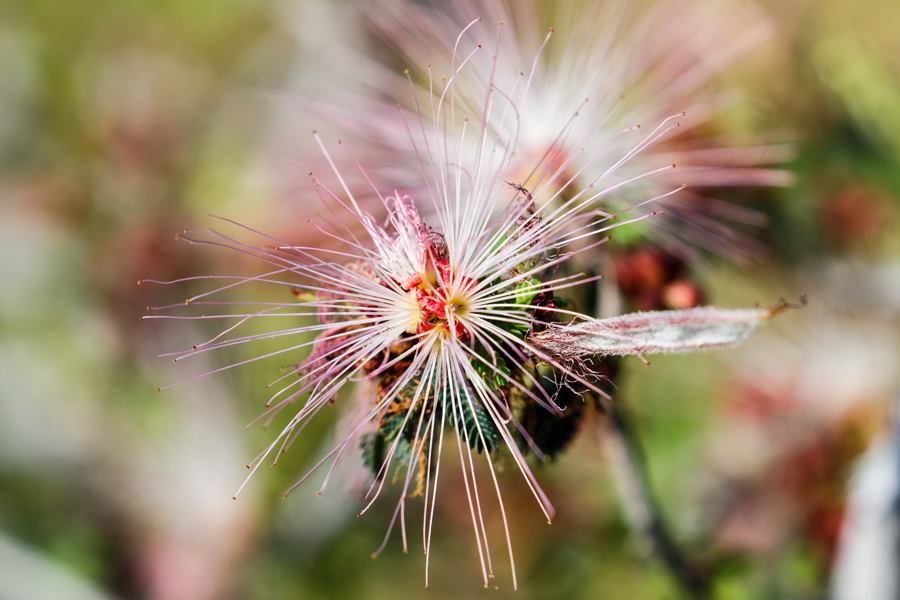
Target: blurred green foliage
(123, 122)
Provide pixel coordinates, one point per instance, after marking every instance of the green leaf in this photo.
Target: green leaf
(494, 377)
(375, 445)
(526, 291)
(488, 429)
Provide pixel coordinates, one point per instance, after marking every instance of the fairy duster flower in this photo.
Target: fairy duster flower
(661, 56)
(457, 321)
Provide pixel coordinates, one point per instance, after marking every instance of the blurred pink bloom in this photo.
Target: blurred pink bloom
(568, 84)
(799, 411)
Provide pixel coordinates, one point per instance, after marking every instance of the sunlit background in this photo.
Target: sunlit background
(123, 123)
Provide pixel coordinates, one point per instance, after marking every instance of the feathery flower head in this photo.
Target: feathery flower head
(661, 56)
(455, 319)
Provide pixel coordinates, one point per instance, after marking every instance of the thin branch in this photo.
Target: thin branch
(641, 511)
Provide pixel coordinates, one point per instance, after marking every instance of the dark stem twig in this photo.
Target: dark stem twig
(641, 511)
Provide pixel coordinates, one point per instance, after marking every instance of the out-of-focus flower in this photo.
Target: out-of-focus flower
(661, 56)
(798, 416)
(455, 320)
(649, 278)
(856, 216)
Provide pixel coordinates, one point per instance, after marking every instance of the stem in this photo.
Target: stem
(639, 508)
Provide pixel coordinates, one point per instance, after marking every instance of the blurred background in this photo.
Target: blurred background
(122, 123)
